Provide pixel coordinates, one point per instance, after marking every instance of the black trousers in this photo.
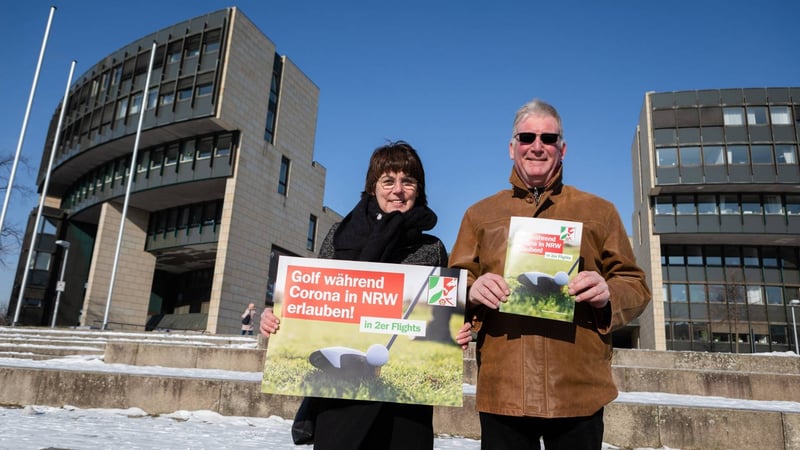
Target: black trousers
(351, 424)
(518, 433)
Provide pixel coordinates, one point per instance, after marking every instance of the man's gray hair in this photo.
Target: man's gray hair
(537, 107)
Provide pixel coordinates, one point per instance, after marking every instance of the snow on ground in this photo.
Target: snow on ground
(39, 427)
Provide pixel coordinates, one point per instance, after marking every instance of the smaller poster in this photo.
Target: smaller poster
(367, 331)
(542, 257)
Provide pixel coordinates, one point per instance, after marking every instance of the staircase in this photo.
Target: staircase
(49, 343)
(629, 424)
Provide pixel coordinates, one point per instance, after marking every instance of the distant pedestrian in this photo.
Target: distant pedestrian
(248, 318)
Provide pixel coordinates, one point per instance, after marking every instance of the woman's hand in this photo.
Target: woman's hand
(269, 322)
(464, 335)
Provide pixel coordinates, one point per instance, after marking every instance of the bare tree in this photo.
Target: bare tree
(11, 235)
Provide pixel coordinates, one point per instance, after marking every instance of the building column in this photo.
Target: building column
(134, 276)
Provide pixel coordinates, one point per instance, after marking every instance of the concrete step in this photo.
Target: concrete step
(627, 424)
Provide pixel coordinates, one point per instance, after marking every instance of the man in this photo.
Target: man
(538, 377)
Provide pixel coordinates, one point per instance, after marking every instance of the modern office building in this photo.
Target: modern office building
(717, 218)
(221, 182)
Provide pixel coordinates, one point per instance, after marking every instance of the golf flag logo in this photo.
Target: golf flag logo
(442, 291)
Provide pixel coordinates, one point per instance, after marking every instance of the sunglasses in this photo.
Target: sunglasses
(529, 138)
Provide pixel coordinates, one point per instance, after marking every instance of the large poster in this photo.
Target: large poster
(367, 331)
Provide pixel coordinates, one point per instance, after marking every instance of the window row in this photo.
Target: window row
(723, 265)
(189, 154)
(110, 82)
(728, 294)
(774, 337)
(728, 116)
(730, 256)
(113, 96)
(125, 111)
(717, 97)
(715, 155)
(157, 159)
(727, 204)
(184, 217)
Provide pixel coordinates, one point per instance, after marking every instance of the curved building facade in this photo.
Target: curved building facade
(223, 181)
(717, 218)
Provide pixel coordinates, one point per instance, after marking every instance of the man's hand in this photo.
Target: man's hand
(489, 289)
(590, 287)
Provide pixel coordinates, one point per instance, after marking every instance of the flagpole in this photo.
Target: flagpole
(25, 124)
(129, 185)
(43, 196)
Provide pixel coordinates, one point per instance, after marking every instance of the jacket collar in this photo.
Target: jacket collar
(520, 190)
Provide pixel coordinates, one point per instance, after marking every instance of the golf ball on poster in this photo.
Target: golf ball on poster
(561, 278)
(377, 355)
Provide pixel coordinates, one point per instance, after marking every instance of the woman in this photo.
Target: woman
(387, 225)
(248, 319)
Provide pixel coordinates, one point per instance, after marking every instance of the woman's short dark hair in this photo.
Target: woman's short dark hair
(398, 156)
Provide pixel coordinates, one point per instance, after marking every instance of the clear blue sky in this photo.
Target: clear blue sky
(446, 76)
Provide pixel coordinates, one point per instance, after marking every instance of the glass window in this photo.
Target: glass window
(211, 43)
(312, 233)
(793, 205)
(41, 261)
(204, 89)
(751, 204)
(684, 205)
(694, 256)
(141, 164)
(283, 180)
(156, 158)
(716, 293)
(737, 154)
(667, 157)
(171, 155)
(697, 293)
(785, 154)
(700, 332)
(152, 97)
(183, 217)
(122, 107)
(754, 295)
(210, 213)
(185, 94)
(193, 46)
(174, 52)
(733, 116)
(750, 255)
(136, 103)
(757, 115)
(204, 148)
(728, 204)
(769, 257)
(690, 156)
(733, 257)
(665, 137)
(772, 204)
(761, 154)
(681, 332)
(706, 204)
(778, 334)
(167, 98)
(774, 295)
(187, 153)
(223, 146)
(677, 293)
(664, 205)
(713, 156)
(780, 115)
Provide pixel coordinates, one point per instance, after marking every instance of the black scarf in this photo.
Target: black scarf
(369, 234)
